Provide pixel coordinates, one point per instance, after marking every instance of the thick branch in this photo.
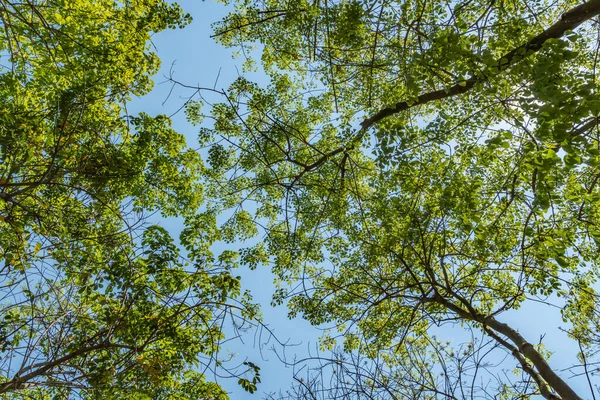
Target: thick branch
(543, 386)
(524, 347)
(569, 21)
(535, 357)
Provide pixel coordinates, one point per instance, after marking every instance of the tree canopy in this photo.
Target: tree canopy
(413, 170)
(96, 302)
(417, 164)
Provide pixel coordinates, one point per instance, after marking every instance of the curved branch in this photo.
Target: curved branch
(23, 382)
(569, 21)
(522, 345)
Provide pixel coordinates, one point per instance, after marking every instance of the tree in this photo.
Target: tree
(421, 164)
(95, 302)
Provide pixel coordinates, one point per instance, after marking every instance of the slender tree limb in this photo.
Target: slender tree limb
(22, 382)
(278, 13)
(585, 368)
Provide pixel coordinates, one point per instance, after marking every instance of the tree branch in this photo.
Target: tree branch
(524, 347)
(569, 21)
(22, 382)
(535, 357)
(542, 385)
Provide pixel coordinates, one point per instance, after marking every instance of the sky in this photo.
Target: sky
(194, 58)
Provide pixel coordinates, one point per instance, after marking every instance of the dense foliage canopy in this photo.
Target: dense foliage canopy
(414, 170)
(417, 164)
(94, 301)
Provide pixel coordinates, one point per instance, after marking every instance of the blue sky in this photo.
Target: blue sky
(194, 58)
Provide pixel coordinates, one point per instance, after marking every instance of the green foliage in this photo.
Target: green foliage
(250, 385)
(416, 164)
(95, 301)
